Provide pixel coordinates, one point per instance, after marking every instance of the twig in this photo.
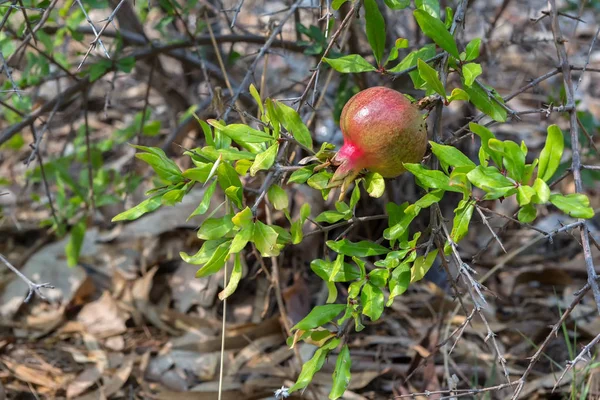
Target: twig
(244, 84)
(88, 146)
(491, 96)
(474, 289)
(223, 326)
(576, 156)
(485, 221)
(499, 13)
(96, 40)
(345, 23)
(220, 59)
(34, 288)
(146, 102)
(352, 221)
(9, 75)
(553, 332)
(580, 357)
(236, 12)
(591, 167)
(27, 22)
(587, 60)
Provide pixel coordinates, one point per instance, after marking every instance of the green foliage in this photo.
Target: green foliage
(374, 273)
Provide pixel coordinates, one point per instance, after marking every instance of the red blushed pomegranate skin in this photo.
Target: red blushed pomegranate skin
(382, 129)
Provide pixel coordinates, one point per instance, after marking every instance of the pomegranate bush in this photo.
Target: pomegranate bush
(385, 134)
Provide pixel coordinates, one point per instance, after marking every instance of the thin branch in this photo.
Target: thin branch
(89, 21)
(88, 146)
(236, 12)
(485, 221)
(352, 221)
(34, 288)
(576, 156)
(345, 23)
(14, 85)
(244, 84)
(587, 60)
(553, 332)
(586, 351)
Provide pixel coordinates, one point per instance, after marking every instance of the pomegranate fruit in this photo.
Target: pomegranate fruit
(382, 129)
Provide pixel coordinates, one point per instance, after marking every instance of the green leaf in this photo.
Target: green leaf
(397, 4)
(204, 254)
(336, 4)
(265, 239)
(292, 122)
(216, 261)
(375, 26)
(278, 197)
(487, 178)
(471, 71)
(430, 198)
(312, 366)
(524, 195)
(320, 180)
(460, 181)
(514, 160)
(451, 156)
(576, 205)
(243, 218)
(341, 374)
(399, 229)
(462, 218)
(324, 270)
(379, 277)
(542, 191)
(472, 49)
(228, 177)
(338, 264)
(484, 103)
(198, 174)
(422, 265)
(215, 228)
(527, 213)
(429, 179)
(399, 282)
(264, 160)
(256, 96)
(401, 43)
(240, 133)
(458, 94)
(431, 78)
(73, 247)
(372, 299)
(374, 184)
(234, 279)
(144, 207)
(352, 63)
(318, 316)
(360, 249)
(485, 134)
(355, 196)
(551, 153)
(241, 239)
(424, 53)
(330, 217)
(173, 196)
(436, 30)
(449, 18)
(164, 167)
(301, 175)
(432, 7)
